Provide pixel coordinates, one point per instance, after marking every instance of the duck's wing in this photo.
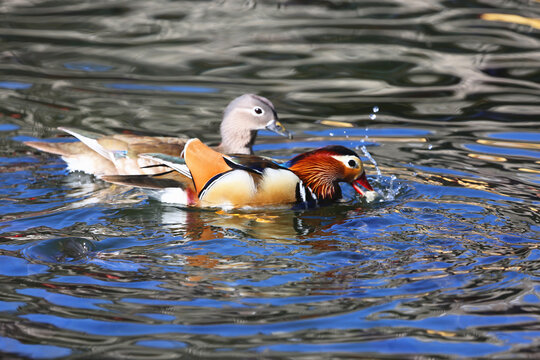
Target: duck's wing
(69, 148)
(136, 144)
(78, 156)
(59, 148)
(118, 146)
(252, 163)
(92, 140)
(204, 163)
(168, 179)
(174, 187)
(123, 149)
(173, 162)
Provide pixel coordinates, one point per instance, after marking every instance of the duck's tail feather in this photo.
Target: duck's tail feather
(169, 179)
(58, 148)
(91, 142)
(174, 187)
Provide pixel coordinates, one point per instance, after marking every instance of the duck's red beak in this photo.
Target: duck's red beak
(362, 180)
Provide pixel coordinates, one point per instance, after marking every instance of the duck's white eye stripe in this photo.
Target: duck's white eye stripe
(348, 160)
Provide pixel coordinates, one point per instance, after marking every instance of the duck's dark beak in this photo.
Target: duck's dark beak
(361, 181)
(275, 126)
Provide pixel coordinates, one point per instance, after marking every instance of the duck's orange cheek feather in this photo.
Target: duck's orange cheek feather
(349, 175)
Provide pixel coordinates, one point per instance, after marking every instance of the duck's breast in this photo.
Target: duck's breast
(277, 186)
(241, 188)
(234, 188)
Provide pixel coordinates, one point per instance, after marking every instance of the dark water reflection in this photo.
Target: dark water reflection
(444, 264)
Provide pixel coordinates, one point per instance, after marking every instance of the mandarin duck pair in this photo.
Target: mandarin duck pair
(226, 176)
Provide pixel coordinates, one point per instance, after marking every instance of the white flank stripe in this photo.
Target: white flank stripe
(302, 191)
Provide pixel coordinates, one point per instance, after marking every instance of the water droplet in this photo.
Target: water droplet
(371, 159)
(331, 134)
(375, 109)
(430, 147)
(372, 116)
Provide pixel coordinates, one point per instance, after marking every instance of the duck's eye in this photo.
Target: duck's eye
(352, 163)
(258, 111)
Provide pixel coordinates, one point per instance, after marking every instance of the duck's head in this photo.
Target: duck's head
(323, 169)
(242, 118)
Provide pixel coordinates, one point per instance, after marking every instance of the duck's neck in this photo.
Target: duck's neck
(237, 141)
(319, 179)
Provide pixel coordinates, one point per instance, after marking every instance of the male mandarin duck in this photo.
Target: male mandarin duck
(118, 154)
(211, 179)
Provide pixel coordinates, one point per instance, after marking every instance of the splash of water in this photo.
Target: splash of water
(372, 116)
(371, 159)
(388, 192)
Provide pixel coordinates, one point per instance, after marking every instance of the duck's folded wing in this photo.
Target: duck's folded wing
(59, 148)
(92, 140)
(179, 175)
(135, 144)
(120, 146)
(174, 162)
(251, 163)
(204, 163)
(173, 187)
(171, 179)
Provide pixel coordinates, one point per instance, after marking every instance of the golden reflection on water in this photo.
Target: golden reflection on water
(487, 157)
(529, 170)
(516, 19)
(336, 123)
(509, 144)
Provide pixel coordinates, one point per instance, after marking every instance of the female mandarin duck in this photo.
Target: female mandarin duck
(118, 154)
(211, 179)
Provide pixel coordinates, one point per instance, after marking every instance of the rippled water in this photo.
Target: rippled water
(445, 264)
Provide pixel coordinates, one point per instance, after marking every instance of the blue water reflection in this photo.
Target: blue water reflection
(13, 266)
(406, 132)
(33, 351)
(87, 67)
(168, 88)
(14, 85)
(519, 136)
(502, 151)
(65, 300)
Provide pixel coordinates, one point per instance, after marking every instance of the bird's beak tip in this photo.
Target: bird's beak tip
(278, 128)
(362, 181)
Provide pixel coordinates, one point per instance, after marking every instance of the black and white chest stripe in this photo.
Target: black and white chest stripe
(305, 196)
